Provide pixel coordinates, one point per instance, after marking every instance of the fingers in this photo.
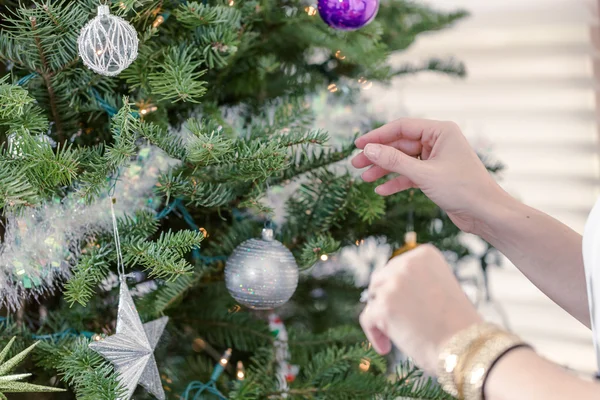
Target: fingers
(393, 186)
(394, 160)
(407, 146)
(373, 325)
(406, 128)
(374, 173)
(361, 161)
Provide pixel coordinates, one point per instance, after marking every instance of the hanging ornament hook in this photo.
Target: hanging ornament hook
(120, 264)
(410, 223)
(267, 233)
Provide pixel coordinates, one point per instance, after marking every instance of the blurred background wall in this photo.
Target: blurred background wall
(529, 100)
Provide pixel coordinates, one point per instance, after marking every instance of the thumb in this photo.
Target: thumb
(392, 159)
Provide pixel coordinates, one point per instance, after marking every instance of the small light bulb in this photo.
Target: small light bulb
(158, 21)
(339, 55)
(310, 10)
(324, 257)
(198, 345)
(365, 364)
(332, 88)
(225, 358)
(122, 5)
(231, 3)
(241, 374)
(144, 111)
(99, 51)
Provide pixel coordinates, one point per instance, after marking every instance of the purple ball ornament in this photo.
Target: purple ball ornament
(348, 15)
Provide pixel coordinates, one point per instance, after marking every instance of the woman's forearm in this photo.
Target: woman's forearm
(547, 251)
(523, 375)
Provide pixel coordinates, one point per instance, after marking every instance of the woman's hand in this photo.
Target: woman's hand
(449, 172)
(416, 303)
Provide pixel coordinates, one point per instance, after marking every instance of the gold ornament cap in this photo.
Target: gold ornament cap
(410, 243)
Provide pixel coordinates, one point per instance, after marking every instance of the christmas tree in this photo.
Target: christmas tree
(190, 145)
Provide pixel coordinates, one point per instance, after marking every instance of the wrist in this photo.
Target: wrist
(494, 211)
(454, 328)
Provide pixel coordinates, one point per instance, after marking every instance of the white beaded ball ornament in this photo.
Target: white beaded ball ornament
(108, 44)
(261, 273)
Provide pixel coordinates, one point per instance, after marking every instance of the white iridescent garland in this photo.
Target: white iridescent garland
(42, 244)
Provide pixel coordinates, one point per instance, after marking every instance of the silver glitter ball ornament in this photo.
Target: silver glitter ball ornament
(108, 44)
(261, 273)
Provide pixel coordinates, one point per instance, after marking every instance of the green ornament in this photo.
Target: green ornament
(9, 383)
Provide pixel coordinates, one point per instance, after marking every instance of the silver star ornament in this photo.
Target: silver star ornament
(131, 349)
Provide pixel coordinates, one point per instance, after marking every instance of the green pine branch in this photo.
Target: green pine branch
(368, 205)
(321, 203)
(14, 100)
(208, 145)
(239, 330)
(102, 163)
(174, 146)
(307, 161)
(282, 115)
(169, 295)
(94, 264)
(85, 371)
(176, 77)
(15, 188)
(315, 247)
(260, 378)
(215, 30)
(411, 384)
(92, 267)
(163, 258)
(194, 14)
(201, 194)
(231, 236)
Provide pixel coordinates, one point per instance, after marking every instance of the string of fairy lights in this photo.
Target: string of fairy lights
(196, 388)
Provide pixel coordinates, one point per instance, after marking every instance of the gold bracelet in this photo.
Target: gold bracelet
(463, 361)
(453, 351)
(478, 366)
